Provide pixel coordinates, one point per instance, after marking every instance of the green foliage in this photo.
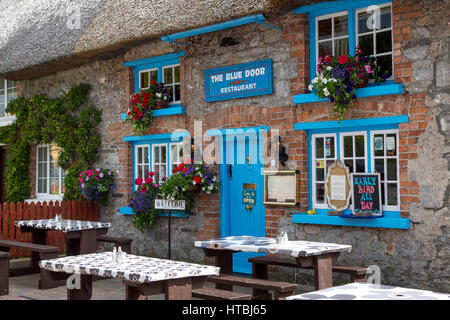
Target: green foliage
(43, 120)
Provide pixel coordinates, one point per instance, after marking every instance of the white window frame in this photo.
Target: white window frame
(159, 164)
(313, 160)
(149, 78)
(6, 95)
(136, 160)
(179, 145)
(374, 32)
(325, 17)
(373, 157)
(354, 157)
(172, 66)
(47, 194)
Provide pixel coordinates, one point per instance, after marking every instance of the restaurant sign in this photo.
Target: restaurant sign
(239, 81)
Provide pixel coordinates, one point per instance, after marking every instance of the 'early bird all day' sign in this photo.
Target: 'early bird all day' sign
(239, 81)
(366, 194)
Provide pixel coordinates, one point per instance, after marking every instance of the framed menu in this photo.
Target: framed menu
(281, 187)
(366, 195)
(337, 186)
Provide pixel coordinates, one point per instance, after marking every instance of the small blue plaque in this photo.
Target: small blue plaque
(239, 81)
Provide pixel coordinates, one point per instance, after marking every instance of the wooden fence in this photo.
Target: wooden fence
(74, 210)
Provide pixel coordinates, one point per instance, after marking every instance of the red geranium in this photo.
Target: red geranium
(138, 181)
(148, 180)
(343, 59)
(197, 180)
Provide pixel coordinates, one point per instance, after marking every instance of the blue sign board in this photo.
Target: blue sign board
(239, 81)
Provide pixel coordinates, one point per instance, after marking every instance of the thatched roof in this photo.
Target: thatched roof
(39, 37)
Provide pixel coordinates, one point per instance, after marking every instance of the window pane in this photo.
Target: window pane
(391, 144)
(360, 165)
(383, 202)
(384, 42)
(385, 63)
(319, 148)
(392, 194)
(359, 146)
(325, 49)
(2, 106)
(170, 89)
(168, 79)
(341, 47)
(325, 29)
(329, 147)
(144, 80)
(177, 74)
(11, 94)
(391, 169)
(320, 174)
(366, 44)
(320, 193)
(156, 156)
(177, 92)
(362, 22)
(163, 173)
(385, 17)
(379, 145)
(348, 146)
(2, 84)
(163, 154)
(379, 167)
(154, 75)
(349, 164)
(340, 26)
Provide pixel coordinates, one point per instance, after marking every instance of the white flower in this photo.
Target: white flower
(310, 87)
(324, 81)
(158, 94)
(329, 68)
(325, 92)
(314, 81)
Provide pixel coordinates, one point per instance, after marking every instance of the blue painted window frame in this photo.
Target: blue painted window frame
(158, 62)
(156, 139)
(391, 219)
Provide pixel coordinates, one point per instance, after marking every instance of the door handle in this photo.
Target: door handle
(248, 208)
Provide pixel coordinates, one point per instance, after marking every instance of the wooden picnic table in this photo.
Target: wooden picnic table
(318, 255)
(367, 291)
(142, 276)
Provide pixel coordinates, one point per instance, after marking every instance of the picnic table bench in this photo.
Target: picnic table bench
(124, 243)
(4, 273)
(260, 267)
(43, 252)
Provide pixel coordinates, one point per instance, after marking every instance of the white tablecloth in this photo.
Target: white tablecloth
(62, 225)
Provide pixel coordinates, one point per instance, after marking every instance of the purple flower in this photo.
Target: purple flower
(82, 185)
(87, 178)
(101, 175)
(109, 173)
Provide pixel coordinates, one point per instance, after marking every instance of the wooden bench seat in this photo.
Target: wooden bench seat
(217, 294)
(357, 274)
(4, 273)
(124, 243)
(39, 252)
(260, 286)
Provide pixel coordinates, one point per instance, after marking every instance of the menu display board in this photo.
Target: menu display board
(366, 195)
(337, 186)
(281, 187)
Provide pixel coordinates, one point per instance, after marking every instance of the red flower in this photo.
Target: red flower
(152, 82)
(140, 114)
(136, 118)
(180, 166)
(138, 181)
(151, 174)
(197, 180)
(328, 59)
(343, 59)
(148, 180)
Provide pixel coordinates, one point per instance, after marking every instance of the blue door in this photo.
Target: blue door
(246, 192)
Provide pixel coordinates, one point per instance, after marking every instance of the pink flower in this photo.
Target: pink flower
(81, 179)
(368, 69)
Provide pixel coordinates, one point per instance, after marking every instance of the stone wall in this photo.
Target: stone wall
(417, 257)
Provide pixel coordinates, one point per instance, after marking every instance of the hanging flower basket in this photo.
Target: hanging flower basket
(195, 188)
(338, 77)
(161, 104)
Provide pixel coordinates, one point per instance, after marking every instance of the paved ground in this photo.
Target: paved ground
(106, 289)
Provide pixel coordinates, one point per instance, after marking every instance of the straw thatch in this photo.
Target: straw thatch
(39, 37)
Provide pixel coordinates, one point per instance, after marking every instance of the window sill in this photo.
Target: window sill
(175, 214)
(391, 220)
(44, 198)
(7, 120)
(370, 91)
(171, 110)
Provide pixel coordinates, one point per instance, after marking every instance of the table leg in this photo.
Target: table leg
(260, 271)
(134, 293)
(88, 241)
(179, 289)
(323, 271)
(224, 260)
(85, 290)
(38, 236)
(72, 247)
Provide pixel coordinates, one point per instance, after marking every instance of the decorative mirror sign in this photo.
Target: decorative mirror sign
(281, 187)
(337, 187)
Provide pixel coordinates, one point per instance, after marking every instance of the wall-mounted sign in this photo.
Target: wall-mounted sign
(170, 204)
(281, 187)
(337, 186)
(249, 196)
(366, 195)
(239, 81)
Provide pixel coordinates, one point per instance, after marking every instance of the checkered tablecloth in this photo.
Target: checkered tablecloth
(63, 225)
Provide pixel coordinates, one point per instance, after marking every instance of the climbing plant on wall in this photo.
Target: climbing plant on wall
(68, 121)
